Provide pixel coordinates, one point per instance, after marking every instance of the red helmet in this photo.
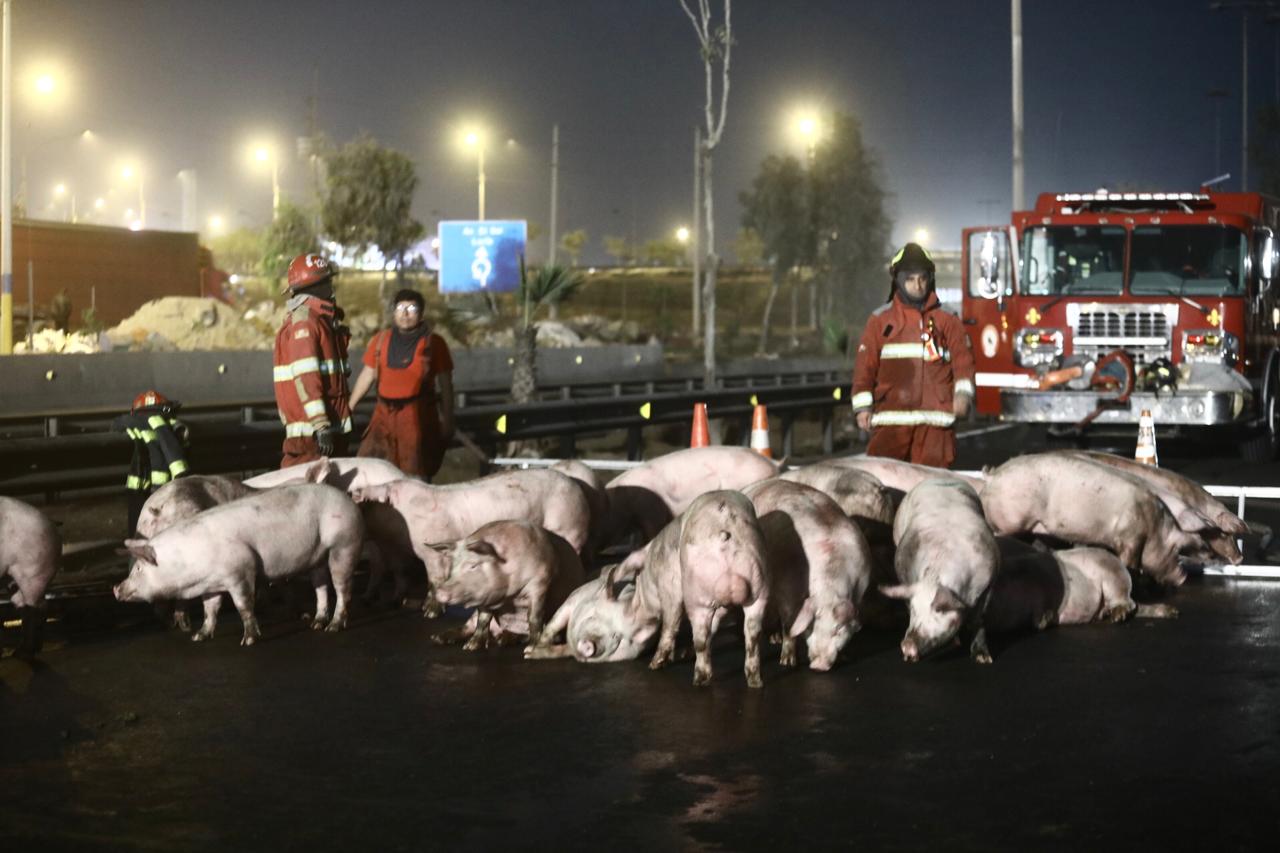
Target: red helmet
(148, 399)
(309, 269)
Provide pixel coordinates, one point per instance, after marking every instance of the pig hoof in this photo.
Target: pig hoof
(199, 637)
(786, 659)
(317, 624)
(247, 641)
(982, 657)
(702, 679)
(432, 609)
(755, 681)
(336, 625)
(658, 663)
(181, 622)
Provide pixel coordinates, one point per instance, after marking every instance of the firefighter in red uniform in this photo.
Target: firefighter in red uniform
(914, 371)
(311, 365)
(413, 419)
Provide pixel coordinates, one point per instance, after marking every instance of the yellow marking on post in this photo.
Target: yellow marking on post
(754, 401)
(501, 425)
(837, 394)
(646, 410)
(511, 361)
(577, 359)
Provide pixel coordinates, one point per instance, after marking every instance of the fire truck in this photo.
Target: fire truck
(1096, 306)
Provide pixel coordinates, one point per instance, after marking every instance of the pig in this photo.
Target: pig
(717, 539)
(346, 472)
(423, 515)
(509, 569)
(185, 497)
(903, 476)
(859, 494)
(29, 552)
(1038, 588)
(597, 501)
(1087, 503)
(646, 498)
(1178, 493)
(945, 563)
(278, 533)
(819, 568)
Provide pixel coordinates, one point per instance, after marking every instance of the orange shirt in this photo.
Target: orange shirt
(430, 359)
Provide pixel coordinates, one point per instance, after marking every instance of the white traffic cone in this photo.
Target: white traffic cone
(1146, 450)
(760, 431)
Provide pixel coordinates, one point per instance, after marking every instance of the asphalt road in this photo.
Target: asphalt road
(1152, 735)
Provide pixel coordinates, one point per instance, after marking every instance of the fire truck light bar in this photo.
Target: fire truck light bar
(1105, 196)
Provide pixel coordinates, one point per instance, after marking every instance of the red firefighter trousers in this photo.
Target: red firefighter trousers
(923, 445)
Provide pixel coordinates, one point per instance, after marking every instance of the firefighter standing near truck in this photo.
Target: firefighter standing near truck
(159, 449)
(914, 370)
(310, 365)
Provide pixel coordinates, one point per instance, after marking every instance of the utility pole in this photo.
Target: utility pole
(1015, 20)
(1245, 6)
(696, 236)
(313, 147)
(555, 177)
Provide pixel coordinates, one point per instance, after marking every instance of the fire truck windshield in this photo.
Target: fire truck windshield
(1069, 259)
(1192, 260)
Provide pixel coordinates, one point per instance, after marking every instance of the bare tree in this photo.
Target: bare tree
(715, 44)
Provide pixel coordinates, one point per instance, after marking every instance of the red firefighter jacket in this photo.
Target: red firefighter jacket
(911, 364)
(311, 368)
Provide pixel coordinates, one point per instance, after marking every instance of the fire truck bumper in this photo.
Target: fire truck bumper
(1203, 408)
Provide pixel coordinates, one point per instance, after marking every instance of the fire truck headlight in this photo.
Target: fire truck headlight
(1210, 345)
(1036, 346)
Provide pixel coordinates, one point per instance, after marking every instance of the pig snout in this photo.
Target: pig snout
(732, 589)
(586, 648)
(910, 649)
(124, 591)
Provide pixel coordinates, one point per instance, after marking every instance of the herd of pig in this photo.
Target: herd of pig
(802, 554)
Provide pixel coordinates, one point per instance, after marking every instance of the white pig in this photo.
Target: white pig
(509, 569)
(903, 476)
(946, 560)
(278, 533)
(29, 552)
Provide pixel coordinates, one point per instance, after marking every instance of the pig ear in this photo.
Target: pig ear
(319, 471)
(154, 510)
(901, 591)
(803, 619)
(1191, 521)
(944, 600)
(141, 549)
(484, 549)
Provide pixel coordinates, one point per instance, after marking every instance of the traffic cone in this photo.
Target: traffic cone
(1146, 450)
(760, 431)
(699, 436)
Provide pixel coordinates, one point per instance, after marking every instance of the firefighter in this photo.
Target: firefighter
(914, 370)
(310, 365)
(413, 419)
(159, 441)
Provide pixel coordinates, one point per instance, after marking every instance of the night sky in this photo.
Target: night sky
(1115, 93)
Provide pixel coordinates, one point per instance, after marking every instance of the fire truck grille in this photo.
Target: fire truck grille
(1143, 334)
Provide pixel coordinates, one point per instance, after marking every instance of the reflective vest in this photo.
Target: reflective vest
(310, 368)
(158, 454)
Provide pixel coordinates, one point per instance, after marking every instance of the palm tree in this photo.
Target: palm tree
(548, 286)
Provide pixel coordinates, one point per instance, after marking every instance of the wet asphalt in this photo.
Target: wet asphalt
(1151, 735)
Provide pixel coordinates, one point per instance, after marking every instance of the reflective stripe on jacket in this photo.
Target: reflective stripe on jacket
(158, 453)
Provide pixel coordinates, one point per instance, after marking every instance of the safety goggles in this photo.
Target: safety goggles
(408, 308)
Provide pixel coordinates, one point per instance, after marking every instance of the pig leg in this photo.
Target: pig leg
(752, 630)
(701, 619)
(431, 608)
(342, 566)
(212, 604)
(32, 631)
(672, 612)
(978, 646)
(377, 568)
(242, 598)
(320, 580)
(482, 637)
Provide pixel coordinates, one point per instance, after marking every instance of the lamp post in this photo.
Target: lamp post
(808, 128)
(475, 139)
(128, 173)
(682, 237)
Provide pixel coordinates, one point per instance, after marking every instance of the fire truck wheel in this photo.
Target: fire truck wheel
(1264, 446)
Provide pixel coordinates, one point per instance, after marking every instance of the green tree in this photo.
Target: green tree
(239, 251)
(573, 242)
(663, 252)
(367, 201)
(851, 225)
(1264, 148)
(290, 235)
(748, 248)
(777, 210)
(620, 249)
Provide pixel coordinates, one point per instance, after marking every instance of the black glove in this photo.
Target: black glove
(324, 441)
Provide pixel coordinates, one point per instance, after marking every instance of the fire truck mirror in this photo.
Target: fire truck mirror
(1267, 258)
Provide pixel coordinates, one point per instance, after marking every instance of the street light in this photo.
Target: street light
(215, 224)
(60, 191)
(475, 138)
(921, 236)
(264, 154)
(682, 234)
(128, 172)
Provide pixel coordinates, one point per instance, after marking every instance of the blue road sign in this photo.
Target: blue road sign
(478, 256)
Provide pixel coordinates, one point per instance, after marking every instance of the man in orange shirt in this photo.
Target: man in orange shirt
(413, 419)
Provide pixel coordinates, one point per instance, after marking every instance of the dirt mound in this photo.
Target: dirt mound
(57, 341)
(188, 323)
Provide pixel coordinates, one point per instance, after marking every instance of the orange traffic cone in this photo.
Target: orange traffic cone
(760, 431)
(1146, 450)
(699, 436)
